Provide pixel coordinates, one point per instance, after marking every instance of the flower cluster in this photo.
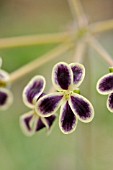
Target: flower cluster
(31, 122)
(6, 96)
(66, 80)
(105, 87)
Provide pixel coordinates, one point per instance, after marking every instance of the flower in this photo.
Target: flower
(66, 79)
(31, 122)
(6, 97)
(105, 87)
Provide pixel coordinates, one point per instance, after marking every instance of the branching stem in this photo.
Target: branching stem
(103, 53)
(101, 26)
(40, 61)
(34, 40)
(77, 11)
(79, 51)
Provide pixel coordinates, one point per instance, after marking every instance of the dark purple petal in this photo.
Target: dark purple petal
(105, 84)
(62, 76)
(78, 73)
(67, 120)
(82, 108)
(27, 122)
(43, 94)
(45, 122)
(48, 104)
(110, 102)
(40, 125)
(33, 90)
(4, 78)
(3, 98)
(50, 120)
(6, 98)
(31, 123)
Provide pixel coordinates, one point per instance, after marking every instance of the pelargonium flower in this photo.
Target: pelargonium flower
(105, 87)
(6, 96)
(31, 122)
(66, 79)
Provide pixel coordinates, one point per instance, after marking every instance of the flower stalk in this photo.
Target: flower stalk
(79, 52)
(101, 51)
(40, 61)
(77, 11)
(34, 40)
(101, 26)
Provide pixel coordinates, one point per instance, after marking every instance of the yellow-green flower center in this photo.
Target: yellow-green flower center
(67, 94)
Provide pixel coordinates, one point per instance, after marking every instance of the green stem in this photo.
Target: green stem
(77, 11)
(79, 51)
(101, 26)
(103, 53)
(34, 39)
(40, 61)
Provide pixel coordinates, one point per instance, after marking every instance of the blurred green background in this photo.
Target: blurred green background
(90, 147)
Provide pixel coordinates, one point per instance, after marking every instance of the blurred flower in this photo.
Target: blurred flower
(6, 97)
(105, 87)
(31, 122)
(66, 80)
